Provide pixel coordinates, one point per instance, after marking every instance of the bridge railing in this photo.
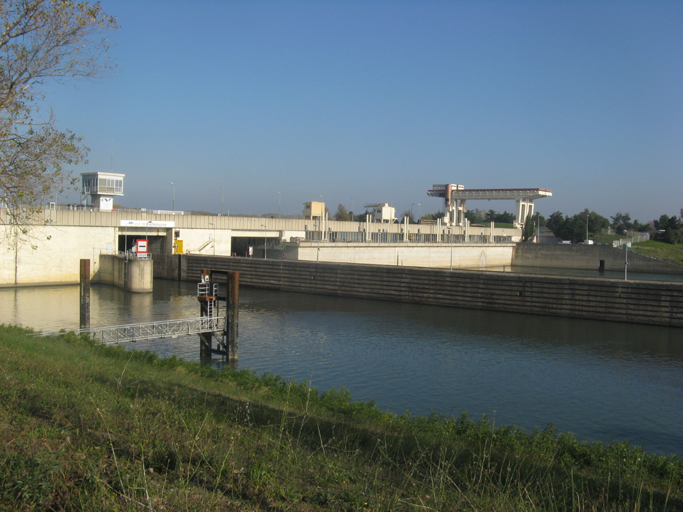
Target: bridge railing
(151, 330)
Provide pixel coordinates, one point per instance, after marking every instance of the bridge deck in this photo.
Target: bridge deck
(151, 330)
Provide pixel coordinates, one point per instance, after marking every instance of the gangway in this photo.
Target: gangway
(211, 325)
(127, 333)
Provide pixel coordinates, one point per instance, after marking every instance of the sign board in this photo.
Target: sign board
(141, 246)
(147, 223)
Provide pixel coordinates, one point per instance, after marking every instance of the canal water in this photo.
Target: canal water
(602, 381)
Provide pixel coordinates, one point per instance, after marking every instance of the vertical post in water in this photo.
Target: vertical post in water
(85, 294)
(233, 314)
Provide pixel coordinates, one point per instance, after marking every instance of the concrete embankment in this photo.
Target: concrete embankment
(645, 302)
(587, 257)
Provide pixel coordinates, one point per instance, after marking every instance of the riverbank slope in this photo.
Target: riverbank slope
(88, 427)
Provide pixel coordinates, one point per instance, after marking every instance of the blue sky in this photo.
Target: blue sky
(374, 101)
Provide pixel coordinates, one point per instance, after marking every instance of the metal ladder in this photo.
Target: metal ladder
(203, 291)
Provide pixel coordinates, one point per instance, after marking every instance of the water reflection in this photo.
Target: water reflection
(600, 380)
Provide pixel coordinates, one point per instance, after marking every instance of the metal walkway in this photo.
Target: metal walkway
(150, 330)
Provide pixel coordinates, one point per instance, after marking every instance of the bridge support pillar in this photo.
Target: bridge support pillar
(525, 207)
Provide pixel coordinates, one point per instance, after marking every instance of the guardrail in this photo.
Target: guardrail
(114, 334)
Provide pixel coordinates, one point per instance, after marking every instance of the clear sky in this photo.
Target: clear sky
(375, 101)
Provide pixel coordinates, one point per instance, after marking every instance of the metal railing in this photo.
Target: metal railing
(150, 330)
(643, 237)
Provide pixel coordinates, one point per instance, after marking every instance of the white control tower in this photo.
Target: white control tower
(101, 187)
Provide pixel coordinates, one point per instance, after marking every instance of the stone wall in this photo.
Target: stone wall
(646, 302)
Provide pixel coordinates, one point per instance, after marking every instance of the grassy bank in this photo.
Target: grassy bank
(661, 251)
(87, 427)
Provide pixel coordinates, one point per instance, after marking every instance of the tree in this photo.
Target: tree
(554, 221)
(408, 214)
(42, 41)
(621, 222)
(342, 213)
(529, 228)
(475, 216)
(670, 229)
(574, 228)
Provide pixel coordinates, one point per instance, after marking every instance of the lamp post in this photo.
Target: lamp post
(264, 240)
(411, 212)
(353, 208)
(317, 257)
(419, 211)
(587, 216)
(279, 204)
(222, 200)
(173, 195)
(538, 228)
(450, 242)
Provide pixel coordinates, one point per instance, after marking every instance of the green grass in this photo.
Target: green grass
(660, 250)
(87, 427)
(603, 238)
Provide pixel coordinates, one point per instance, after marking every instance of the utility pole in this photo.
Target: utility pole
(587, 216)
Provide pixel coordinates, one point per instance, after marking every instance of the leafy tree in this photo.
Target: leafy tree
(500, 218)
(409, 215)
(574, 228)
(361, 217)
(475, 216)
(342, 213)
(670, 229)
(529, 229)
(621, 222)
(554, 221)
(42, 41)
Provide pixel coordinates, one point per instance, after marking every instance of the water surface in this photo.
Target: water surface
(600, 380)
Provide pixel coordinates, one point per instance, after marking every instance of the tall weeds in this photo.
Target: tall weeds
(88, 427)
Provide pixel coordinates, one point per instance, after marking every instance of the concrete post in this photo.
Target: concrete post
(232, 326)
(85, 295)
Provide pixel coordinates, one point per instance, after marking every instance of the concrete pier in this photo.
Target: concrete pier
(130, 274)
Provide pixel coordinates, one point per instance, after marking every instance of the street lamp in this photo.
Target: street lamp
(264, 240)
(450, 242)
(279, 204)
(173, 195)
(317, 257)
(222, 200)
(419, 210)
(587, 216)
(411, 212)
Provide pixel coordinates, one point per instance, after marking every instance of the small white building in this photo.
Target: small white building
(382, 212)
(101, 188)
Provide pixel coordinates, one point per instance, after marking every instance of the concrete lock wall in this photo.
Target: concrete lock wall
(646, 302)
(587, 257)
(439, 255)
(53, 254)
(129, 274)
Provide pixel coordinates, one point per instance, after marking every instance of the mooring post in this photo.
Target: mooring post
(233, 314)
(205, 338)
(85, 294)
